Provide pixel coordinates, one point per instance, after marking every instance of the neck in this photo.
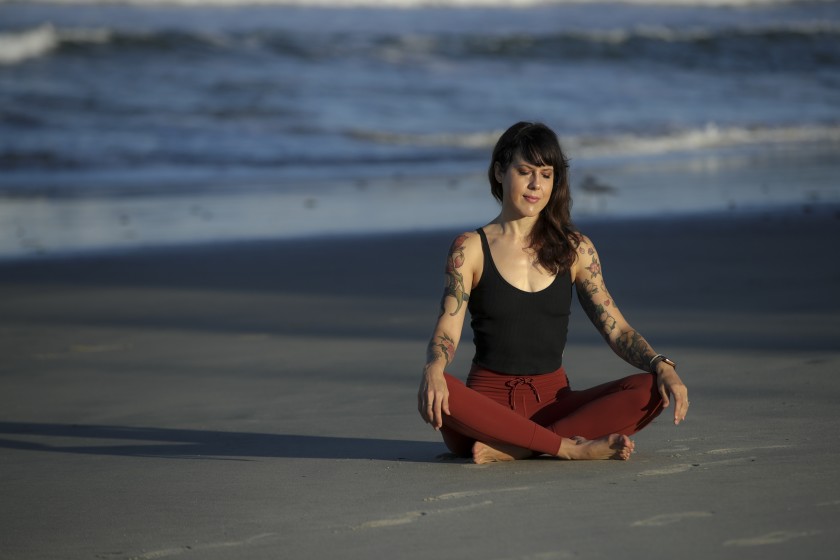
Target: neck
(518, 227)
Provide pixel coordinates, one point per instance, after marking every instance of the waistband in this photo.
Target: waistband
(500, 385)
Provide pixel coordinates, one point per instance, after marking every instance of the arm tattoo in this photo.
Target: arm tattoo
(598, 313)
(634, 349)
(629, 345)
(595, 266)
(441, 347)
(454, 279)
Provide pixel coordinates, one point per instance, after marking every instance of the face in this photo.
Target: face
(526, 187)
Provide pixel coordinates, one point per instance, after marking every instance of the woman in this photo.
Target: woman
(515, 276)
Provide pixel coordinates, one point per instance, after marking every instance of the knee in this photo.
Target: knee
(457, 443)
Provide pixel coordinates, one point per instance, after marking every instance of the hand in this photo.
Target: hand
(670, 385)
(433, 398)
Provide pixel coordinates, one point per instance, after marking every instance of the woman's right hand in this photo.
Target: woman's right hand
(433, 398)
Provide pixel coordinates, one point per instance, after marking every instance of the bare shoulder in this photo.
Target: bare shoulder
(465, 246)
(465, 237)
(465, 258)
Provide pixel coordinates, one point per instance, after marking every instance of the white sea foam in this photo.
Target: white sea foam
(17, 46)
(687, 35)
(30, 43)
(707, 137)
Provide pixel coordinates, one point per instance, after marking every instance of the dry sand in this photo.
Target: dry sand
(258, 401)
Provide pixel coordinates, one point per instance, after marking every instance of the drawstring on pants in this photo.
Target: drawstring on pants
(513, 384)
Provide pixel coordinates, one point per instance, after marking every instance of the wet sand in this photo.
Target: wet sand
(258, 401)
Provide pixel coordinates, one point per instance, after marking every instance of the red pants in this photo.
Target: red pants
(536, 412)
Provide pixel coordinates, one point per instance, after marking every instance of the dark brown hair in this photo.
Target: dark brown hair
(554, 238)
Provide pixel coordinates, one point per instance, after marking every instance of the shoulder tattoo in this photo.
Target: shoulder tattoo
(454, 279)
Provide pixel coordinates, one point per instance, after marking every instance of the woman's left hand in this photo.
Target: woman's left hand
(670, 385)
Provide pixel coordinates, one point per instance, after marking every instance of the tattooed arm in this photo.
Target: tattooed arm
(433, 396)
(625, 341)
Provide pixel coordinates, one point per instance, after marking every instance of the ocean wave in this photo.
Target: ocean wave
(31, 43)
(707, 137)
(796, 44)
(18, 46)
(412, 150)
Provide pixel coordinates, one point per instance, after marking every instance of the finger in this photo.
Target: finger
(680, 402)
(428, 409)
(663, 392)
(681, 408)
(437, 417)
(445, 404)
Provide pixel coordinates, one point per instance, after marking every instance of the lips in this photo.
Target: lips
(532, 199)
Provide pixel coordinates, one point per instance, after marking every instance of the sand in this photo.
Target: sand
(257, 400)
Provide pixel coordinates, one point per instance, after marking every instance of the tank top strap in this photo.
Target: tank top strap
(485, 246)
(489, 263)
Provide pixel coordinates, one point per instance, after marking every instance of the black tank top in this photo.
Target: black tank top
(518, 332)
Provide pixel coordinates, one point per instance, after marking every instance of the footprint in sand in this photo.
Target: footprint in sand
(671, 469)
(730, 450)
(776, 537)
(683, 467)
(474, 493)
(669, 518)
(412, 516)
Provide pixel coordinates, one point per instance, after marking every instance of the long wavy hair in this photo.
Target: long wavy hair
(554, 238)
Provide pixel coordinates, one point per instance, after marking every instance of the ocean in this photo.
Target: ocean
(147, 122)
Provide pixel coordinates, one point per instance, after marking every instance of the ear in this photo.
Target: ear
(498, 173)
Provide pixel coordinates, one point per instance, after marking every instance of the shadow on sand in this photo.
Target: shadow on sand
(199, 444)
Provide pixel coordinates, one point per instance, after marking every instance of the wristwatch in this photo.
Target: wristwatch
(661, 358)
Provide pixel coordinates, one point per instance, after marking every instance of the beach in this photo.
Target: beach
(257, 400)
(223, 226)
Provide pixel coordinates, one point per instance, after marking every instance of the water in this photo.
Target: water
(296, 108)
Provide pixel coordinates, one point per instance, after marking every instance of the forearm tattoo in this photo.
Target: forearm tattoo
(634, 349)
(454, 279)
(629, 345)
(441, 347)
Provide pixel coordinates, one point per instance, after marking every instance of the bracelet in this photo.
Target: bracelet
(660, 358)
(653, 361)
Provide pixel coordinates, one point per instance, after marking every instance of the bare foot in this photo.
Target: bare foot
(485, 453)
(614, 446)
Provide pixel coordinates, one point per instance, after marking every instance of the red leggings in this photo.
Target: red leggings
(537, 412)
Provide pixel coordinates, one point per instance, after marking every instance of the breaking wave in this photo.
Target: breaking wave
(708, 137)
(792, 45)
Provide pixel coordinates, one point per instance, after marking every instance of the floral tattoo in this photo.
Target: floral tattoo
(598, 313)
(634, 349)
(454, 279)
(630, 345)
(442, 347)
